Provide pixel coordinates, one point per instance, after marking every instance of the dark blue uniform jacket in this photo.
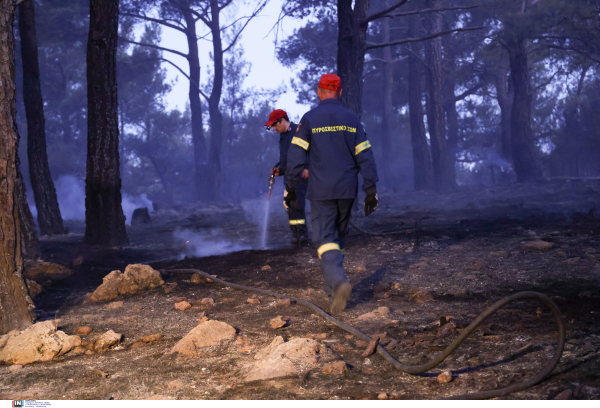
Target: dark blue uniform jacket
(285, 140)
(337, 149)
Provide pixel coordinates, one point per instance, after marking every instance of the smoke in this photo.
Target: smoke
(199, 244)
(71, 199)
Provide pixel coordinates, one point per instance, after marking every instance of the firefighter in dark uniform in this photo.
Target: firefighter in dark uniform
(280, 122)
(338, 150)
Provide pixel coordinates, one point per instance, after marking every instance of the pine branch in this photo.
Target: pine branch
(383, 13)
(155, 20)
(432, 10)
(428, 37)
(181, 54)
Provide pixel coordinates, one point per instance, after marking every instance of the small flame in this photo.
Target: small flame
(187, 242)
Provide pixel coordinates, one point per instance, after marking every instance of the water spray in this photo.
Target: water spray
(271, 182)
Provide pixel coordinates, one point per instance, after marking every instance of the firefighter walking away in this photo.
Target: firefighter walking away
(337, 148)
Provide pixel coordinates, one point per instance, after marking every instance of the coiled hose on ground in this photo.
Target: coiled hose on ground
(453, 346)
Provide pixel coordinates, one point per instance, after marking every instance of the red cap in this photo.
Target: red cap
(331, 82)
(276, 114)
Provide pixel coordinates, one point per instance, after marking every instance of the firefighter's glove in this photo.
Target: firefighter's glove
(289, 199)
(370, 204)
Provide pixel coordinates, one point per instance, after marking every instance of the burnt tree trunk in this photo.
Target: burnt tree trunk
(521, 136)
(198, 139)
(44, 193)
(505, 95)
(352, 38)
(388, 118)
(30, 248)
(443, 164)
(423, 172)
(15, 303)
(216, 118)
(105, 222)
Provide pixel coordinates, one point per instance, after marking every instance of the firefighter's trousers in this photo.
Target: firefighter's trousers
(330, 220)
(297, 216)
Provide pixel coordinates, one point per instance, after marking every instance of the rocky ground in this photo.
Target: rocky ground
(440, 262)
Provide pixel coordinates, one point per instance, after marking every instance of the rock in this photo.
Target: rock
(83, 330)
(335, 368)
(175, 384)
(559, 254)
(253, 301)
(106, 341)
(380, 312)
(572, 261)
(265, 268)
(420, 296)
(277, 341)
(39, 342)
(391, 345)
(182, 305)
(283, 303)
(590, 258)
(499, 254)
(45, 273)
(205, 334)
(78, 350)
(419, 265)
(585, 294)
(179, 299)
(294, 357)
(277, 322)
(207, 301)
(34, 288)
(444, 377)
(449, 329)
(135, 278)
(169, 287)
(564, 395)
(381, 288)
(77, 261)
(476, 265)
(382, 396)
(538, 245)
(360, 269)
(590, 250)
(140, 216)
(371, 347)
(152, 338)
(15, 367)
(197, 278)
(114, 305)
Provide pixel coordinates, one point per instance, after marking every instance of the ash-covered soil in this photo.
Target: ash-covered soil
(446, 257)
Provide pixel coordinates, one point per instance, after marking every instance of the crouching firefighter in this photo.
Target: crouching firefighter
(279, 121)
(337, 150)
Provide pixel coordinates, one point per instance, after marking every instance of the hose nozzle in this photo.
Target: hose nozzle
(271, 182)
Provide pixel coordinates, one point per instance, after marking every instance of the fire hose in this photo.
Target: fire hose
(543, 373)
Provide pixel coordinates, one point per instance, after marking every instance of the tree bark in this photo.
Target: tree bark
(15, 303)
(105, 222)
(443, 164)
(505, 95)
(198, 139)
(30, 248)
(216, 118)
(521, 136)
(423, 172)
(352, 46)
(449, 96)
(388, 122)
(44, 193)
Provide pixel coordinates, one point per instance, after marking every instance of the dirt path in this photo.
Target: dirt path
(450, 263)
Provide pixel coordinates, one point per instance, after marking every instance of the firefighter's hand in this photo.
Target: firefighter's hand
(289, 199)
(370, 204)
(305, 174)
(275, 171)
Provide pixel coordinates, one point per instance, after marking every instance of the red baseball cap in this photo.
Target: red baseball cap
(331, 82)
(276, 114)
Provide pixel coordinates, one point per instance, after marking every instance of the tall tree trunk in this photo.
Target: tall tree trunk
(104, 219)
(505, 95)
(44, 193)
(216, 118)
(521, 136)
(352, 38)
(423, 171)
(30, 248)
(449, 96)
(388, 118)
(200, 168)
(15, 303)
(443, 163)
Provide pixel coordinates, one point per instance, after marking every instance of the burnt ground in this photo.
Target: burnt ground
(447, 246)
